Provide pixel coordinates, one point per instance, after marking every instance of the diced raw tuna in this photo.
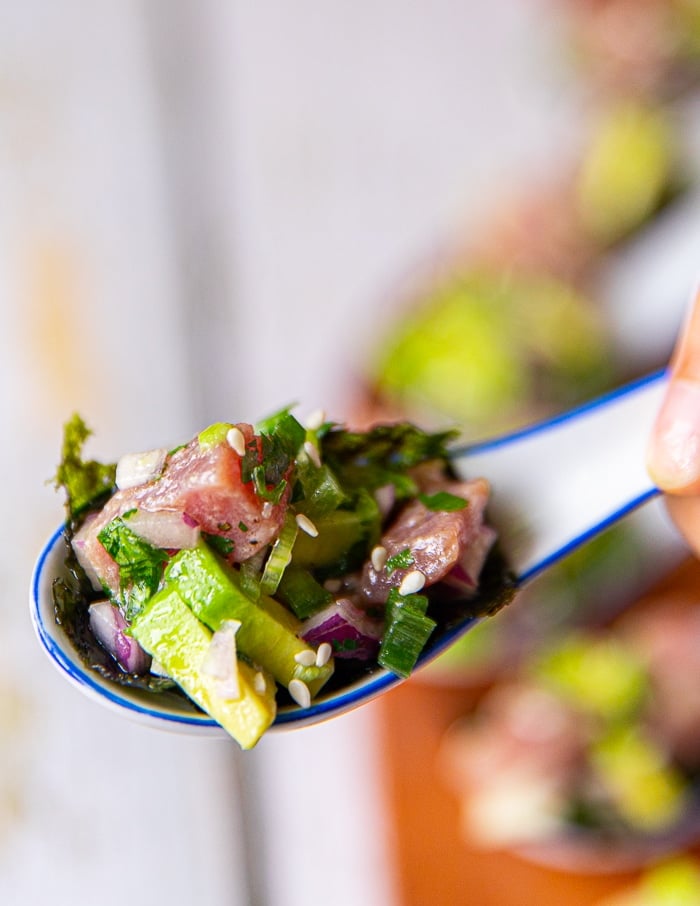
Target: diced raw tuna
(437, 540)
(203, 482)
(464, 577)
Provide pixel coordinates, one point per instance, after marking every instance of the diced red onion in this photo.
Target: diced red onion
(108, 625)
(167, 529)
(464, 576)
(134, 469)
(221, 662)
(349, 630)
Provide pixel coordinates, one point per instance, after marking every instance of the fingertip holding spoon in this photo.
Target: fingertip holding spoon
(555, 485)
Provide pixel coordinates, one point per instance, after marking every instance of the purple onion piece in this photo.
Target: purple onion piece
(347, 628)
(108, 625)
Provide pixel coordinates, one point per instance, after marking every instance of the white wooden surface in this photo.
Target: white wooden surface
(201, 206)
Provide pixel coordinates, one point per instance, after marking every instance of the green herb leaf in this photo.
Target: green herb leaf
(443, 501)
(402, 560)
(221, 545)
(140, 565)
(383, 455)
(320, 489)
(249, 461)
(84, 481)
(272, 494)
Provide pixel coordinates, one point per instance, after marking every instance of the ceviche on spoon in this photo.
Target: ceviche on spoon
(284, 573)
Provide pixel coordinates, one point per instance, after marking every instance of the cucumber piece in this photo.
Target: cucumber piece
(344, 539)
(268, 632)
(168, 630)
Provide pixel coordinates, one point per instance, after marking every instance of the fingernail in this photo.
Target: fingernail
(673, 458)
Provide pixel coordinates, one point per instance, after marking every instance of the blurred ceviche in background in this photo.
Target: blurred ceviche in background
(576, 747)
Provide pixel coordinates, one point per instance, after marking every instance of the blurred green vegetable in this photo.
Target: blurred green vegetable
(647, 791)
(627, 172)
(598, 676)
(486, 351)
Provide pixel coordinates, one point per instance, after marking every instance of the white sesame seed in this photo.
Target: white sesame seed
(259, 683)
(266, 510)
(332, 585)
(300, 693)
(323, 655)
(306, 658)
(315, 419)
(412, 582)
(312, 452)
(306, 525)
(236, 440)
(379, 558)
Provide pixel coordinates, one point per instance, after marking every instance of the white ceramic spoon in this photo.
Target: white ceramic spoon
(554, 486)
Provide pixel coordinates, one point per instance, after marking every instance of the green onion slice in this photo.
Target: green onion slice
(280, 555)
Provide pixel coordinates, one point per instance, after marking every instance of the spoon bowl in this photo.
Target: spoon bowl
(555, 485)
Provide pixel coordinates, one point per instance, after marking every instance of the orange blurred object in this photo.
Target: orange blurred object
(435, 862)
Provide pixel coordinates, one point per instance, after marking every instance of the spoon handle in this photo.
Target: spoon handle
(559, 483)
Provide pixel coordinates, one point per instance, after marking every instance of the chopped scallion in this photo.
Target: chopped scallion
(214, 434)
(407, 630)
(280, 555)
(272, 494)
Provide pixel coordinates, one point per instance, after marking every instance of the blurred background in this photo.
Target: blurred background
(463, 213)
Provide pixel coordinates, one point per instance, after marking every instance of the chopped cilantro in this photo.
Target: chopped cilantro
(402, 560)
(286, 431)
(140, 565)
(242, 526)
(345, 644)
(249, 460)
(271, 494)
(382, 456)
(221, 545)
(443, 501)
